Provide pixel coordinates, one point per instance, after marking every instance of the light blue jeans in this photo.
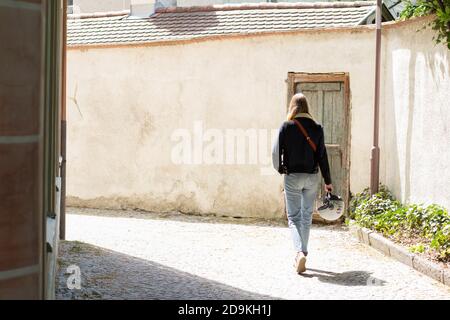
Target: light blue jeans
(300, 192)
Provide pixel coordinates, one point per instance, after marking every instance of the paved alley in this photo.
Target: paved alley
(134, 255)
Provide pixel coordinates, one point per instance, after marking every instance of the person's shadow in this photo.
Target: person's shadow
(350, 278)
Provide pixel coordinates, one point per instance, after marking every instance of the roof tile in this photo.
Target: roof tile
(177, 25)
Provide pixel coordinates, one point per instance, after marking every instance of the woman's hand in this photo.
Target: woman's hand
(329, 188)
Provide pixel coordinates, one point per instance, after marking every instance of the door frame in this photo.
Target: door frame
(344, 77)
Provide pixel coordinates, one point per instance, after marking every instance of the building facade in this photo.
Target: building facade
(200, 76)
(157, 115)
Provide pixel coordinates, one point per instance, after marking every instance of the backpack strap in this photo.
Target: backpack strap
(305, 133)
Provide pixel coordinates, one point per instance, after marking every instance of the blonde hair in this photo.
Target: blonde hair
(299, 104)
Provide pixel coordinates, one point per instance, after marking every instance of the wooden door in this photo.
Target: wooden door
(328, 102)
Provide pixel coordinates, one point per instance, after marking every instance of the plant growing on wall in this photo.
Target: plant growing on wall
(441, 9)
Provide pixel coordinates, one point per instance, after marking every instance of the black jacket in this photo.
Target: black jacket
(293, 154)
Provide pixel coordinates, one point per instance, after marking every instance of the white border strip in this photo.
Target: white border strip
(18, 273)
(19, 139)
(20, 5)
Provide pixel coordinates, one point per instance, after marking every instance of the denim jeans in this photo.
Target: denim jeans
(300, 192)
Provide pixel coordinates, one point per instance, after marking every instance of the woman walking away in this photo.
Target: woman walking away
(298, 153)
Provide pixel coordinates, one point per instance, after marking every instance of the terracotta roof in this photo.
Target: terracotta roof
(171, 24)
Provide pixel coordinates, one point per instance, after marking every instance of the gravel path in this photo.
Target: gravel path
(133, 255)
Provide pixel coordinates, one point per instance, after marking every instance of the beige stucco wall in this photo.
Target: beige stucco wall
(132, 99)
(87, 6)
(187, 3)
(416, 115)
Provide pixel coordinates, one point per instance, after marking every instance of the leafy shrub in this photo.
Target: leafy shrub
(356, 200)
(382, 213)
(441, 24)
(418, 248)
(363, 197)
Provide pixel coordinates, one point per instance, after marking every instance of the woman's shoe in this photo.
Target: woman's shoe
(300, 263)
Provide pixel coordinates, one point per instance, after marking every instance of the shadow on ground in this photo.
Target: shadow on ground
(350, 278)
(110, 275)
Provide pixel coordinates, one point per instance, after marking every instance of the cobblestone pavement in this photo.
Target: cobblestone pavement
(133, 255)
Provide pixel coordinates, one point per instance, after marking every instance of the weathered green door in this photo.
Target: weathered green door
(327, 103)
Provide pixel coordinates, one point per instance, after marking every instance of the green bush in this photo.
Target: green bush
(418, 248)
(363, 197)
(382, 213)
(441, 9)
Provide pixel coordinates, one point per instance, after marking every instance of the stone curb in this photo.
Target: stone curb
(399, 253)
(446, 277)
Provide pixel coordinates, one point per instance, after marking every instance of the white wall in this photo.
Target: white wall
(416, 115)
(89, 6)
(132, 99)
(188, 3)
